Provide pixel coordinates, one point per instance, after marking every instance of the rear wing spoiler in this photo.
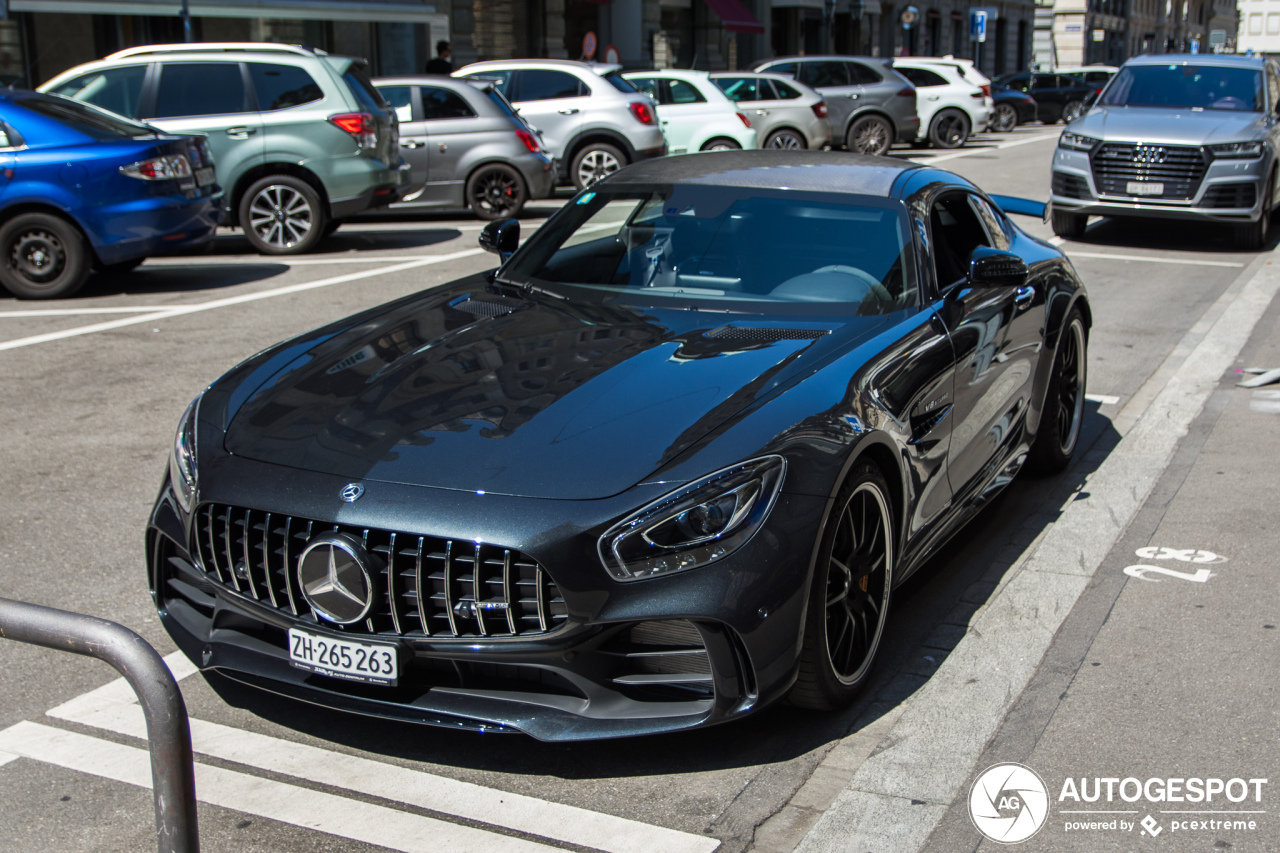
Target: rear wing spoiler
(1022, 206)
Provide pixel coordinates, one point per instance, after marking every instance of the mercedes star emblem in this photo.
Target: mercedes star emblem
(351, 492)
(336, 579)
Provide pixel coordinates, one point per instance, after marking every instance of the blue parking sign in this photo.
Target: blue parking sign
(977, 24)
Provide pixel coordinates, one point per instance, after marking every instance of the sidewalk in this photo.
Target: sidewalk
(1162, 672)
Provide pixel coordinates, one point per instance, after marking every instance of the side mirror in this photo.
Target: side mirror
(993, 268)
(501, 237)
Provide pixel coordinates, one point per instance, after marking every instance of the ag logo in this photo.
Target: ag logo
(1009, 803)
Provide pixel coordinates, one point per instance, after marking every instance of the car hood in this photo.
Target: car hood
(1172, 127)
(531, 396)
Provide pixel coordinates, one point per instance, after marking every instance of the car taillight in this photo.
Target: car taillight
(169, 168)
(359, 125)
(986, 91)
(530, 141)
(820, 109)
(907, 93)
(744, 118)
(1097, 91)
(643, 113)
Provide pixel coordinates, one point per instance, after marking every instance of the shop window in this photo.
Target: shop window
(279, 87)
(199, 89)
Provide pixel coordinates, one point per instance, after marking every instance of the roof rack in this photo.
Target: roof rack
(217, 47)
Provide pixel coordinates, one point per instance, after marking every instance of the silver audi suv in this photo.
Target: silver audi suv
(1186, 136)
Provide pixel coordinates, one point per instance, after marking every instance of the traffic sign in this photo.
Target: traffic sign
(978, 25)
(589, 46)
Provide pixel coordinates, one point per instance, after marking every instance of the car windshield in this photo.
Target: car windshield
(708, 245)
(1197, 87)
(86, 118)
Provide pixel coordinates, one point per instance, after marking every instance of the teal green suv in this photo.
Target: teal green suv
(302, 139)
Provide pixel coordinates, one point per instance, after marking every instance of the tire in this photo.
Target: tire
(496, 191)
(1253, 235)
(43, 257)
(283, 215)
(869, 135)
(121, 268)
(1004, 118)
(786, 140)
(949, 129)
(1071, 111)
(1059, 430)
(849, 596)
(1068, 226)
(595, 161)
(720, 143)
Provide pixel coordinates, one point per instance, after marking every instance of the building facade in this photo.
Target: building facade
(1259, 27)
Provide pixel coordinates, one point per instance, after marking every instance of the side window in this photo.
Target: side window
(826, 73)
(438, 103)
(991, 219)
(740, 88)
(649, 86)
(787, 68)
(4, 137)
(862, 75)
(540, 84)
(279, 87)
(199, 89)
(684, 93)
(115, 89)
(1021, 83)
(956, 231)
(922, 76)
(783, 91)
(401, 100)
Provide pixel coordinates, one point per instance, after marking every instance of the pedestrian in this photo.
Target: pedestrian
(441, 64)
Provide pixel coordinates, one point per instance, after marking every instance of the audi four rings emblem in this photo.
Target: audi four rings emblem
(351, 492)
(1150, 154)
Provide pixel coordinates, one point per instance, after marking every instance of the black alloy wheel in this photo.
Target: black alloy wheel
(44, 257)
(496, 191)
(849, 598)
(869, 135)
(786, 140)
(283, 215)
(949, 129)
(1063, 412)
(595, 161)
(1004, 118)
(1071, 111)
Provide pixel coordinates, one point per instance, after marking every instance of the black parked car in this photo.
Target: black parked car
(1057, 96)
(664, 467)
(1011, 109)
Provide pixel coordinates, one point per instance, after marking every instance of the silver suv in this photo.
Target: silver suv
(870, 106)
(301, 139)
(1185, 136)
(591, 118)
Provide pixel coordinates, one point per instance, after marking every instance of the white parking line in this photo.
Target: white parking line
(6, 757)
(267, 260)
(180, 310)
(114, 708)
(1189, 262)
(1102, 399)
(291, 804)
(76, 312)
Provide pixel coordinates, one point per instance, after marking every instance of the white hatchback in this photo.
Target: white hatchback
(950, 106)
(695, 114)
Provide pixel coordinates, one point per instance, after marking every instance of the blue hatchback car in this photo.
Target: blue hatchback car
(82, 189)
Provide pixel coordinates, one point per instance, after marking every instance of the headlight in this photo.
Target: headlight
(696, 525)
(182, 462)
(1076, 142)
(1237, 149)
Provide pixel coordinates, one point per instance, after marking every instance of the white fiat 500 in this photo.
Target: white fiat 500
(695, 114)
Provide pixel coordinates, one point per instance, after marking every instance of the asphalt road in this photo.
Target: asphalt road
(93, 388)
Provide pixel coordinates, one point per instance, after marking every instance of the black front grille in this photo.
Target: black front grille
(1240, 195)
(1179, 168)
(1070, 186)
(429, 586)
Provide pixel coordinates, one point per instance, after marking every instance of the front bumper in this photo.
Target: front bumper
(1231, 191)
(578, 681)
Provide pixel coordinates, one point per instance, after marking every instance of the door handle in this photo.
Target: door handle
(411, 144)
(241, 132)
(762, 112)
(853, 96)
(568, 112)
(1023, 295)
(932, 98)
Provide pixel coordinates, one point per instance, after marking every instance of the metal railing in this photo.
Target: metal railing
(168, 731)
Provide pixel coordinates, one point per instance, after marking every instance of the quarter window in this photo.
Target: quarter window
(862, 75)
(438, 103)
(279, 87)
(782, 90)
(401, 100)
(200, 89)
(684, 93)
(922, 76)
(115, 89)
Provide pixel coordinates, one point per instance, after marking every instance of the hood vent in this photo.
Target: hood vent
(484, 307)
(765, 334)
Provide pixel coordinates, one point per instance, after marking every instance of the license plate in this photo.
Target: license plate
(204, 176)
(1143, 188)
(371, 663)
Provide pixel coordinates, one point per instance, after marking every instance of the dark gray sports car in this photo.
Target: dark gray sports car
(664, 467)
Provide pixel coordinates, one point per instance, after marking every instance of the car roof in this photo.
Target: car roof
(601, 68)
(879, 60)
(1199, 59)
(806, 171)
